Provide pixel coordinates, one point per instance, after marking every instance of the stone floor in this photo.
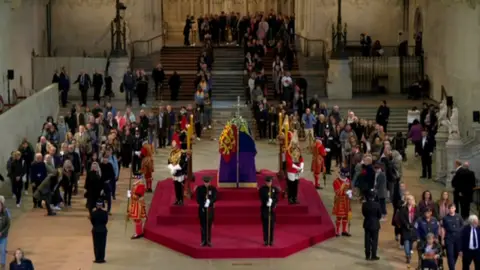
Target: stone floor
(64, 242)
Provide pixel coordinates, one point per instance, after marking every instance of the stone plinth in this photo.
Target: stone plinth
(441, 156)
(454, 149)
(118, 67)
(339, 79)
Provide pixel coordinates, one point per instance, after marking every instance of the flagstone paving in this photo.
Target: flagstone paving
(64, 242)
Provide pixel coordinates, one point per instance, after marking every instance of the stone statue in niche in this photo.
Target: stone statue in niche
(449, 122)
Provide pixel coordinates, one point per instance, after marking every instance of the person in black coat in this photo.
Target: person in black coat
(174, 83)
(383, 113)
(97, 82)
(329, 143)
(158, 75)
(17, 171)
(206, 197)
(67, 182)
(371, 226)
(93, 186)
(425, 149)
(463, 183)
(84, 83)
(38, 172)
(99, 220)
(107, 177)
(74, 157)
(405, 219)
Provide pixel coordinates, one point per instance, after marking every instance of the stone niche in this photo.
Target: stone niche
(84, 25)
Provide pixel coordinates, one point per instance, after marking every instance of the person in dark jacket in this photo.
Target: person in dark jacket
(371, 226)
(17, 171)
(463, 183)
(383, 113)
(27, 157)
(93, 186)
(174, 83)
(405, 218)
(108, 177)
(470, 243)
(99, 220)
(38, 173)
(158, 75)
(20, 262)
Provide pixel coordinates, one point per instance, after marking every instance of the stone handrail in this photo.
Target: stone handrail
(150, 44)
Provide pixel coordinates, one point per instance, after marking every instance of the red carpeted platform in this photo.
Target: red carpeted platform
(237, 229)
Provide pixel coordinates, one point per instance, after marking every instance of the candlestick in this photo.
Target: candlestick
(279, 123)
(189, 133)
(286, 133)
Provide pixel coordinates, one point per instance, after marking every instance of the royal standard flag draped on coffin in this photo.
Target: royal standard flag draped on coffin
(237, 151)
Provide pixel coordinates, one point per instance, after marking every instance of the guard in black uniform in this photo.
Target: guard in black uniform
(206, 197)
(269, 199)
(136, 148)
(452, 225)
(99, 220)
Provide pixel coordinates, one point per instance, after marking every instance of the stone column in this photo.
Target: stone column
(454, 149)
(441, 157)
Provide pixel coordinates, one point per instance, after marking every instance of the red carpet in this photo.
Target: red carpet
(237, 231)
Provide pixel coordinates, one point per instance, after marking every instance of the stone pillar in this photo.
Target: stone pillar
(441, 158)
(454, 149)
(339, 85)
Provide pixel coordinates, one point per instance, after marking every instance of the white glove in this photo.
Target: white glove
(295, 167)
(349, 193)
(327, 150)
(61, 153)
(207, 203)
(129, 193)
(269, 203)
(170, 167)
(177, 167)
(137, 153)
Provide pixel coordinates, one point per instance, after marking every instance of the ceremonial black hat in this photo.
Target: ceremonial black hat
(207, 179)
(268, 179)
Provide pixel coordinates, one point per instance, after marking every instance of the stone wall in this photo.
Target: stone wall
(84, 25)
(452, 53)
(381, 19)
(22, 31)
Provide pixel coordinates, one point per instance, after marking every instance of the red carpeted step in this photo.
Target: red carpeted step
(240, 219)
(229, 208)
(239, 241)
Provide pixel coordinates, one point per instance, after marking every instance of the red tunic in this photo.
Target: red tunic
(136, 209)
(341, 203)
(318, 165)
(290, 163)
(147, 161)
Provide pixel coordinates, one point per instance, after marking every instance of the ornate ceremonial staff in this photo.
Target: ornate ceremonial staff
(187, 189)
(269, 214)
(129, 195)
(206, 220)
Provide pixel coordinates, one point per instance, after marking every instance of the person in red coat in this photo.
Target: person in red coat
(136, 210)
(341, 203)
(318, 161)
(295, 166)
(147, 164)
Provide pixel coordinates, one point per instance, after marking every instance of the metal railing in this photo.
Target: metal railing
(311, 47)
(353, 48)
(146, 47)
(371, 75)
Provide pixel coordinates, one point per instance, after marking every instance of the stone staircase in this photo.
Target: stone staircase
(180, 59)
(227, 74)
(397, 120)
(221, 115)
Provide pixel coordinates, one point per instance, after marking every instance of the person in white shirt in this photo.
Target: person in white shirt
(250, 87)
(412, 115)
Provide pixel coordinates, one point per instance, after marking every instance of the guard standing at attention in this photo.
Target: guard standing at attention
(269, 199)
(99, 220)
(206, 197)
(452, 225)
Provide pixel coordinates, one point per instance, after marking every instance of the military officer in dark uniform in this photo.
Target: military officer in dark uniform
(99, 220)
(137, 147)
(269, 199)
(206, 197)
(452, 225)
